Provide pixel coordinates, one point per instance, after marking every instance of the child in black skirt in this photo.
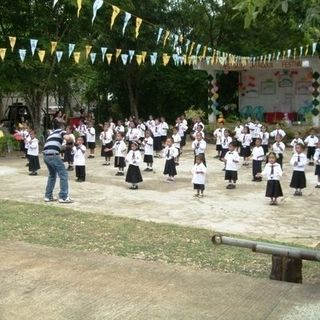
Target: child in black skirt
(273, 172)
(80, 159)
(33, 154)
(278, 148)
(231, 160)
(170, 153)
(311, 142)
(316, 159)
(298, 161)
(68, 152)
(133, 174)
(148, 150)
(257, 158)
(246, 140)
(106, 137)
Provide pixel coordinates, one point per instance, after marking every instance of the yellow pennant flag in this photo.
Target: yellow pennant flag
(307, 50)
(294, 53)
(191, 48)
(115, 13)
(118, 52)
(139, 59)
(76, 56)
(143, 54)
(88, 50)
(166, 38)
(109, 57)
(185, 59)
(138, 25)
(165, 59)
(204, 52)
(41, 54)
(3, 53)
(12, 41)
(181, 38)
(79, 4)
(53, 46)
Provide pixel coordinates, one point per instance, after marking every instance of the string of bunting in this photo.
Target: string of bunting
(127, 56)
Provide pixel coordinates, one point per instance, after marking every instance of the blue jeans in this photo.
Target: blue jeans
(56, 167)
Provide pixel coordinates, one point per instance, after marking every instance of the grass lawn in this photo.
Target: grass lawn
(64, 228)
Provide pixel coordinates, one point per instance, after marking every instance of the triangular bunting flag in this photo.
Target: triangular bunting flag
(93, 57)
(22, 54)
(166, 36)
(79, 4)
(187, 45)
(115, 13)
(314, 48)
(138, 25)
(176, 39)
(76, 56)
(127, 17)
(165, 58)
(54, 3)
(33, 44)
(88, 50)
(159, 35)
(153, 58)
(124, 58)
(12, 41)
(109, 57)
(131, 54)
(191, 48)
(198, 49)
(307, 50)
(71, 48)
(118, 52)
(3, 53)
(139, 59)
(143, 54)
(41, 54)
(96, 6)
(53, 46)
(103, 52)
(59, 55)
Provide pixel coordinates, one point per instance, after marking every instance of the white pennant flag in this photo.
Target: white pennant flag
(22, 54)
(59, 55)
(96, 6)
(208, 60)
(301, 51)
(175, 58)
(198, 49)
(131, 54)
(33, 44)
(153, 58)
(176, 39)
(124, 58)
(103, 52)
(159, 34)
(54, 3)
(314, 48)
(187, 45)
(278, 55)
(127, 17)
(289, 53)
(71, 48)
(93, 57)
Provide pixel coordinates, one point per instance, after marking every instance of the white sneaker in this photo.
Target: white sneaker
(53, 199)
(67, 200)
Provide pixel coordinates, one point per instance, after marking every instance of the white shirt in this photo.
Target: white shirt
(176, 140)
(218, 134)
(231, 157)
(264, 136)
(150, 124)
(295, 141)
(298, 161)
(33, 147)
(238, 130)
(79, 155)
(181, 128)
(316, 156)
(311, 141)
(148, 146)
(199, 147)
(170, 152)
(195, 134)
(157, 130)
(132, 134)
(164, 128)
(91, 134)
(142, 129)
(245, 139)
(82, 129)
(120, 149)
(278, 147)
(198, 124)
(276, 132)
(134, 157)
(199, 173)
(119, 129)
(106, 136)
(275, 175)
(256, 130)
(258, 153)
(225, 141)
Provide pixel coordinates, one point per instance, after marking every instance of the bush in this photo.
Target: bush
(8, 143)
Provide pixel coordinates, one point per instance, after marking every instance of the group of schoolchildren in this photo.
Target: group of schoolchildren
(253, 141)
(125, 141)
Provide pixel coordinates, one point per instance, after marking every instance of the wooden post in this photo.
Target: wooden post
(286, 269)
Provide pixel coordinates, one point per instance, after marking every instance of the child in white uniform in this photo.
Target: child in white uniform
(278, 148)
(199, 176)
(232, 160)
(91, 139)
(257, 158)
(316, 159)
(134, 159)
(170, 152)
(176, 142)
(219, 134)
(148, 150)
(33, 154)
(106, 137)
(311, 142)
(80, 160)
(199, 147)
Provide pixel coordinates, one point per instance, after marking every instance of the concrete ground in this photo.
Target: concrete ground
(44, 283)
(243, 211)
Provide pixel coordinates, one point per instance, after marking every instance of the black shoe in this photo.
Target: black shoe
(118, 174)
(229, 186)
(70, 168)
(104, 164)
(146, 169)
(317, 186)
(33, 174)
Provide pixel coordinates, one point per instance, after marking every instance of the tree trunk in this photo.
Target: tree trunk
(133, 96)
(35, 100)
